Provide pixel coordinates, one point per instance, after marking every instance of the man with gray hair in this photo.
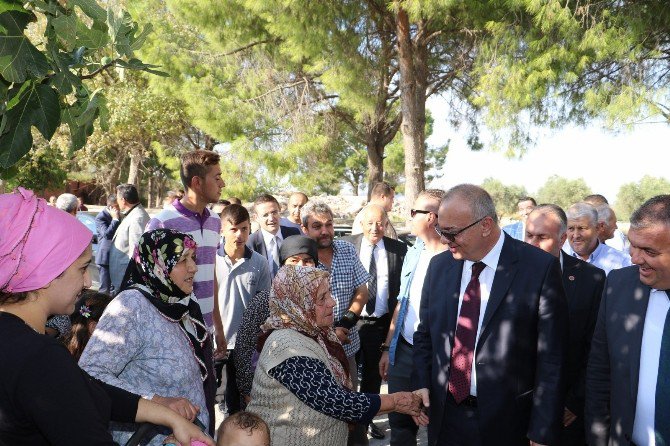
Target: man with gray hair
(490, 349)
(348, 286)
(628, 374)
(618, 239)
(583, 239)
(546, 228)
(68, 203)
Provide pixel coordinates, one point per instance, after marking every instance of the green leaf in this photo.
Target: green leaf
(19, 59)
(11, 5)
(65, 82)
(65, 26)
(32, 105)
(91, 9)
(81, 116)
(138, 41)
(9, 173)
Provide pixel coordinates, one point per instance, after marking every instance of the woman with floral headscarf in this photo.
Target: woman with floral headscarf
(301, 387)
(152, 339)
(45, 399)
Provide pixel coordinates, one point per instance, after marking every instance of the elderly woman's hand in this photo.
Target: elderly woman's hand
(407, 403)
(180, 405)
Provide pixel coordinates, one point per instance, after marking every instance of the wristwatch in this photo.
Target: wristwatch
(384, 348)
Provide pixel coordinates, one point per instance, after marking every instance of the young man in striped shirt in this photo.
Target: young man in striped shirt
(201, 176)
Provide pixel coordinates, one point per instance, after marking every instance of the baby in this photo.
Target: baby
(243, 429)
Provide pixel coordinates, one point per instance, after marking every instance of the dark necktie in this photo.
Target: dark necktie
(372, 284)
(661, 421)
(466, 336)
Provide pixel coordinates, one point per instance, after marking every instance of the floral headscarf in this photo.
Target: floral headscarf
(156, 254)
(292, 296)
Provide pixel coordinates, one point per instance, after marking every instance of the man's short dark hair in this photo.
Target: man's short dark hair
(234, 200)
(531, 199)
(596, 199)
(265, 198)
(654, 211)
(382, 188)
(246, 421)
(196, 164)
(128, 192)
(111, 200)
(235, 214)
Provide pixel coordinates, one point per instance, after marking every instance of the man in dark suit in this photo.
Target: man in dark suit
(382, 257)
(628, 374)
(106, 223)
(546, 228)
(490, 348)
(267, 240)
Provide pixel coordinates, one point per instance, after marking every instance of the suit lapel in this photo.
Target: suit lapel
(502, 280)
(570, 271)
(638, 307)
(453, 274)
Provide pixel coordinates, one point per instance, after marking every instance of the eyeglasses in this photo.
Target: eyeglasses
(413, 212)
(451, 236)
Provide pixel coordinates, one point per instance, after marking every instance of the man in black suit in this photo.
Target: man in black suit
(490, 349)
(546, 228)
(382, 257)
(628, 374)
(267, 240)
(106, 223)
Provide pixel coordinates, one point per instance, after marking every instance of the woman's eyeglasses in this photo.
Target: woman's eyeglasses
(451, 236)
(413, 212)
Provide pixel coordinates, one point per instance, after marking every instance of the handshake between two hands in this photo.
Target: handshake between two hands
(414, 404)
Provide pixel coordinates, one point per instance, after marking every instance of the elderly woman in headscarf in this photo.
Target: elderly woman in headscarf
(152, 339)
(45, 399)
(301, 386)
(295, 250)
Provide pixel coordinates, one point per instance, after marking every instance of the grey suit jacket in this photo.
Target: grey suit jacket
(123, 244)
(614, 362)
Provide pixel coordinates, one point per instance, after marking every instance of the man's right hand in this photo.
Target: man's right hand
(422, 420)
(180, 405)
(114, 212)
(343, 335)
(384, 366)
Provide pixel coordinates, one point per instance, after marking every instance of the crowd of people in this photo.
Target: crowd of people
(550, 331)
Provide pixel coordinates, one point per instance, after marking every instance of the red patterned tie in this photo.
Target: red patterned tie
(466, 335)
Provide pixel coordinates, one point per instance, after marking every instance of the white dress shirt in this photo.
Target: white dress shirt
(485, 283)
(645, 410)
(381, 304)
(272, 245)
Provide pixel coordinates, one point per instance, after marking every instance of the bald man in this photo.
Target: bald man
(382, 257)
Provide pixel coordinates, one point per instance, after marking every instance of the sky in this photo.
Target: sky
(605, 160)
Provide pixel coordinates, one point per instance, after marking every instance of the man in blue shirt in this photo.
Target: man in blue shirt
(517, 230)
(396, 361)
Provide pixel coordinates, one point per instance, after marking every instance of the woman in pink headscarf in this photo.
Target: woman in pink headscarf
(45, 399)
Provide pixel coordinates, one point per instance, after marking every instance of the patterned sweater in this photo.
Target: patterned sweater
(295, 392)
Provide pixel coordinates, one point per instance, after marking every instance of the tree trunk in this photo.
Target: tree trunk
(150, 190)
(2, 186)
(375, 152)
(136, 157)
(413, 81)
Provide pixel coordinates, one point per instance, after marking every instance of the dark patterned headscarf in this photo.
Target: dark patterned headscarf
(156, 254)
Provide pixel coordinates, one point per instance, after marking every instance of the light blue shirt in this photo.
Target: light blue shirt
(605, 257)
(515, 230)
(406, 275)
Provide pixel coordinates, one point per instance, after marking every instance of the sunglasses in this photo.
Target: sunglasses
(451, 236)
(413, 212)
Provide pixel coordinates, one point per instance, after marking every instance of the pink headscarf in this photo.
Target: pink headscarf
(37, 242)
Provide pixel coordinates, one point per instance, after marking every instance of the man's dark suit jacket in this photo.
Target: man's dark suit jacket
(521, 351)
(583, 285)
(614, 363)
(105, 227)
(395, 254)
(257, 243)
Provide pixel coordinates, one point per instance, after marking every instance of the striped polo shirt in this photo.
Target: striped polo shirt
(205, 230)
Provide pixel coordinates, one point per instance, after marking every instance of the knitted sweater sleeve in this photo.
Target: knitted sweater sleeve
(311, 382)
